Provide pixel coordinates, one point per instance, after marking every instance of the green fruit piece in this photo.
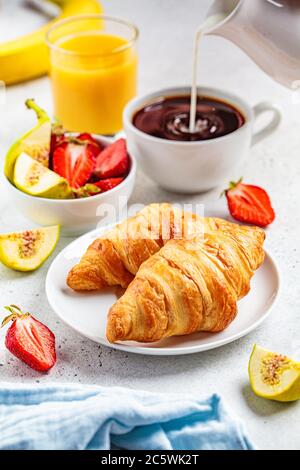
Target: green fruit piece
(274, 376)
(36, 142)
(33, 178)
(28, 250)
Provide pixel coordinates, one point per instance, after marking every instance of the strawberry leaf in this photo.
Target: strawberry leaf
(87, 190)
(15, 312)
(8, 318)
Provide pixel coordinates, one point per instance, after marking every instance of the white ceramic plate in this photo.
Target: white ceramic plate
(86, 312)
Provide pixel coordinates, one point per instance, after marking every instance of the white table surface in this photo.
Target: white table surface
(167, 29)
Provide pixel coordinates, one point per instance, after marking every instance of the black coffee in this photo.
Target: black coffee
(168, 118)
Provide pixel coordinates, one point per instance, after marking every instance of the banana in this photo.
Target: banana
(27, 57)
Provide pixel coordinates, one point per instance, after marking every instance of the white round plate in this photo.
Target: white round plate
(86, 312)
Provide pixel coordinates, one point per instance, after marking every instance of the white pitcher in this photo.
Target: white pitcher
(267, 30)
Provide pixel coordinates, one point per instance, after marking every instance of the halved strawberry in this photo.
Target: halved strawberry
(75, 162)
(109, 183)
(56, 139)
(112, 161)
(85, 136)
(250, 204)
(30, 340)
(88, 138)
(57, 136)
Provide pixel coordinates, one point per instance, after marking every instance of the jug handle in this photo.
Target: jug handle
(259, 109)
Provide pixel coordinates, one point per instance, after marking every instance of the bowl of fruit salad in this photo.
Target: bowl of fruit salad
(78, 181)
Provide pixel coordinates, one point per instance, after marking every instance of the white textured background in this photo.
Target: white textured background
(167, 28)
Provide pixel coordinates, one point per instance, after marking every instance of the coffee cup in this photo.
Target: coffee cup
(196, 166)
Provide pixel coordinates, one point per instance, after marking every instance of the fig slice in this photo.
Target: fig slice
(36, 142)
(28, 250)
(33, 178)
(274, 376)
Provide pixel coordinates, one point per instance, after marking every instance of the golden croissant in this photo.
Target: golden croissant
(115, 258)
(188, 286)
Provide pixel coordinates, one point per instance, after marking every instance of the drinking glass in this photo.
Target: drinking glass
(93, 69)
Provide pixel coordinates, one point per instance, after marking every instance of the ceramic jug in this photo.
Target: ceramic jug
(267, 30)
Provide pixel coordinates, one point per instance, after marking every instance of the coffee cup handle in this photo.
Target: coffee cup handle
(259, 109)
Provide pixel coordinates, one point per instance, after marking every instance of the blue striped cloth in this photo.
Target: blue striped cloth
(73, 416)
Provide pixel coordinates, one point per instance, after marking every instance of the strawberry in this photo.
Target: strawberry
(88, 138)
(57, 136)
(75, 162)
(109, 183)
(250, 204)
(56, 139)
(112, 161)
(84, 136)
(30, 340)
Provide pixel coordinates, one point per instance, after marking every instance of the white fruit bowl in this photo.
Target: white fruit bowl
(76, 216)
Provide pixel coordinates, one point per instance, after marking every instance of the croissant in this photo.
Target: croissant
(188, 286)
(115, 258)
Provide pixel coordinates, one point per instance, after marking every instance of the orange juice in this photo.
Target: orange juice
(93, 76)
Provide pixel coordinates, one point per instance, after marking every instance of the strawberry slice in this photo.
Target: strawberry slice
(109, 183)
(112, 161)
(88, 138)
(74, 162)
(56, 139)
(29, 340)
(250, 204)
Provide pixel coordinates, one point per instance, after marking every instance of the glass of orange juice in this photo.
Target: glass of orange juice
(93, 63)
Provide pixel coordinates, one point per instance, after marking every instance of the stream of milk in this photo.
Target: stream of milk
(210, 23)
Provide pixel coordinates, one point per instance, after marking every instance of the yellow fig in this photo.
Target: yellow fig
(274, 376)
(35, 143)
(33, 178)
(28, 250)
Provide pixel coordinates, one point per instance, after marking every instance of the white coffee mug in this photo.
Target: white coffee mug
(190, 167)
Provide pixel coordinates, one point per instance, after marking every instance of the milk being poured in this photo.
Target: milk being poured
(206, 26)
